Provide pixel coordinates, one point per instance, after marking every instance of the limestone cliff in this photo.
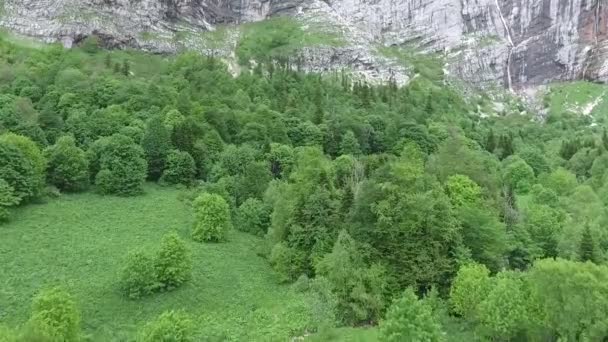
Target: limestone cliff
(514, 43)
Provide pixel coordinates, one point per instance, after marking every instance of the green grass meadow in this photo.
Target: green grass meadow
(80, 241)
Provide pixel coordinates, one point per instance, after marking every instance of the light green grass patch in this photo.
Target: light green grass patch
(80, 241)
(580, 97)
(427, 65)
(279, 37)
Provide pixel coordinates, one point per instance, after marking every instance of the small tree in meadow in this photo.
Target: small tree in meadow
(170, 326)
(179, 169)
(138, 277)
(55, 316)
(173, 264)
(212, 218)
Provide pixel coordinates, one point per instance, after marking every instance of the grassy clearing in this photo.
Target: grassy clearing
(79, 242)
(279, 37)
(427, 65)
(578, 97)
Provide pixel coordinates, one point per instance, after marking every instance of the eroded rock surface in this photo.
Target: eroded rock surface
(513, 43)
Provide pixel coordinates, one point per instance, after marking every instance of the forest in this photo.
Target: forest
(160, 198)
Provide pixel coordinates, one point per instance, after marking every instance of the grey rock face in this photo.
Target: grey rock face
(514, 43)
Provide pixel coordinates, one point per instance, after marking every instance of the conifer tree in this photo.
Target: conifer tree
(587, 247)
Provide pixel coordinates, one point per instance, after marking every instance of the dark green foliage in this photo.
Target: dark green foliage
(281, 159)
(91, 44)
(171, 326)
(350, 144)
(288, 262)
(55, 316)
(410, 320)
(118, 165)
(569, 148)
(212, 218)
(68, 167)
(587, 249)
(179, 168)
(126, 68)
(173, 264)
(253, 216)
(156, 144)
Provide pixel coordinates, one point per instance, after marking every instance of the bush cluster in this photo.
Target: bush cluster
(171, 267)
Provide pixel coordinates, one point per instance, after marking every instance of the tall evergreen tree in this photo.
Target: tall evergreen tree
(587, 250)
(490, 144)
(156, 144)
(349, 144)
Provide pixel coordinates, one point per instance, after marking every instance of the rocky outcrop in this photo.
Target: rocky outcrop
(514, 43)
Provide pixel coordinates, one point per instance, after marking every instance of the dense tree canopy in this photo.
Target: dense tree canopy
(366, 190)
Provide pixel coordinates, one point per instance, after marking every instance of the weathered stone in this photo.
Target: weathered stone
(514, 43)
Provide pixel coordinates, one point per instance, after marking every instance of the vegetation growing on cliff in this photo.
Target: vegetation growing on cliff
(279, 38)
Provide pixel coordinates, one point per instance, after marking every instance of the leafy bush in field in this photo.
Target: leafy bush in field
(138, 277)
(171, 326)
(32, 152)
(18, 172)
(119, 165)
(68, 167)
(168, 269)
(173, 265)
(179, 168)
(212, 215)
(55, 316)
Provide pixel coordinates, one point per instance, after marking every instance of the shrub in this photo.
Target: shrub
(138, 277)
(173, 264)
(253, 216)
(212, 218)
(288, 262)
(68, 167)
(471, 286)
(30, 150)
(119, 165)
(180, 168)
(410, 320)
(54, 315)
(170, 326)
(18, 171)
